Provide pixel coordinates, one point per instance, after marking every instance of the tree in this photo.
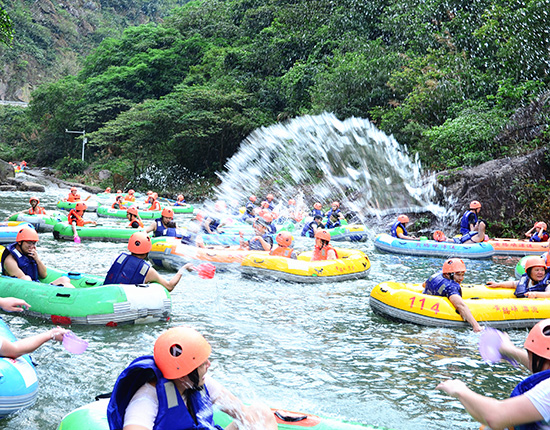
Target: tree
(6, 29)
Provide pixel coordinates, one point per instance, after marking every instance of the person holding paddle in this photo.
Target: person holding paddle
(528, 407)
(171, 389)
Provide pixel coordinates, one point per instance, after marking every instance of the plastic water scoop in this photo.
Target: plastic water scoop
(489, 344)
(73, 344)
(206, 270)
(77, 239)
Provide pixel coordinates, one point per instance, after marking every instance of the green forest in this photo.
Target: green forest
(458, 82)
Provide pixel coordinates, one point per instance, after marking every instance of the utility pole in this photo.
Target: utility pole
(84, 139)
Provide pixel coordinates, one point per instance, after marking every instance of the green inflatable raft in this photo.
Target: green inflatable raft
(90, 302)
(107, 233)
(93, 416)
(104, 211)
(42, 223)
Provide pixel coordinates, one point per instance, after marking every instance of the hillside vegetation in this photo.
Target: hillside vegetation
(458, 82)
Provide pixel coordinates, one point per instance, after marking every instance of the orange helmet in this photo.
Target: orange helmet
(538, 339)
(253, 198)
(292, 202)
(131, 191)
(180, 197)
(34, 198)
(317, 205)
(323, 235)
(199, 216)
(108, 189)
(180, 350)
(403, 218)
(535, 262)
(337, 204)
(26, 234)
(541, 225)
(475, 205)
(133, 211)
(81, 206)
(439, 236)
(139, 243)
(155, 196)
(73, 189)
(546, 258)
(268, 217)
(167, 212)
(264, 204)
(149, 193)
(284, 238)
(270, 197)
(454, 265)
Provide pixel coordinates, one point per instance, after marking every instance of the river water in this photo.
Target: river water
(312, 348)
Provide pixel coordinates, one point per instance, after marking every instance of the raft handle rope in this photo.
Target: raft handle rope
(290, 418)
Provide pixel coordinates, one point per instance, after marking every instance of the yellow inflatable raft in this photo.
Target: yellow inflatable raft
(351, 264)
(494, 307)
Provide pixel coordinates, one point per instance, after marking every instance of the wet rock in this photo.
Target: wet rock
(8, 188)
(104, 174)
(26, 185)
(6, 171)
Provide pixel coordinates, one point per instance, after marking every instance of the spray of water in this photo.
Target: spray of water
(320, 158)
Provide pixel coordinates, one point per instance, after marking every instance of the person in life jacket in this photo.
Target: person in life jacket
(262, 241)
(323, 250)
(130, 197)
(268, 218)
(76, 218)
(532, 284)
(292, 212)
(211, 223)
(155, 205)
(269, 199)
(164, 226)
(73, 195)
(180, 200)
(132, 268)
(172, 389)
(538, 233)
(284, 240)
(133, 216)
(118, 203)
(399, 228)
(447, 284)
(107, 190)
(317, 210)
(334, 215)
(469, 220)
(35, 209)
(528, 407)
(20, 259)
(311, 227)
(250, 210)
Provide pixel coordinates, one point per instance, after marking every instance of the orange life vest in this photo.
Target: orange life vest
(130, 198)
(37, 211)
(73, 197)
(320, 254)
(136, 220)
(73, 216)
(281, 251)
(155, 206)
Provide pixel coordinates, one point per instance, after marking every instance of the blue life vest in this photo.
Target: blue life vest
(189, 238)
(316, 212)
(331, 224)
(526, 385)
(393, 230)
(161, 230)
(464, 224)
(536, 238)
(465, 237)
(438, 285)
(172, 412)
(256, 245)
(127, 269)
(308, 229)
(523, 285)
(27, 265)
(270, 205)
(213, 225)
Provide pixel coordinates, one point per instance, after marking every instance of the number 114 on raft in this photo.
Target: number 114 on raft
(422, 302)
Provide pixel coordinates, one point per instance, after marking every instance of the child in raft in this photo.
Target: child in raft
(538, 233)
(284, 240)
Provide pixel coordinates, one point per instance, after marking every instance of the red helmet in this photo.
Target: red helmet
(167, 212)
(538, 339)
(317, 205)
(26, 234)
(337, 204)
(180, 350)
(323, 235)
(403, 218)
(541, 225)
(133, 211)
(270, 197)
(292, 202)
(253, 198)
(81, 206)
(535, 262)
(139, 243)
(454, 265)
(475, 205)
(34, 198)
(284, 238)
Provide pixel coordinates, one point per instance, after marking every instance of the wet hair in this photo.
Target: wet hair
(317, 217)
(194, 378)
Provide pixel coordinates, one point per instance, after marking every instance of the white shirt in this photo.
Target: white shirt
(143, 408)
(539, 395)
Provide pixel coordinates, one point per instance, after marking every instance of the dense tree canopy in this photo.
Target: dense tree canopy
(444, 76)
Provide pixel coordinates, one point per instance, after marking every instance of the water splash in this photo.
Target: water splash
(320, 158)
